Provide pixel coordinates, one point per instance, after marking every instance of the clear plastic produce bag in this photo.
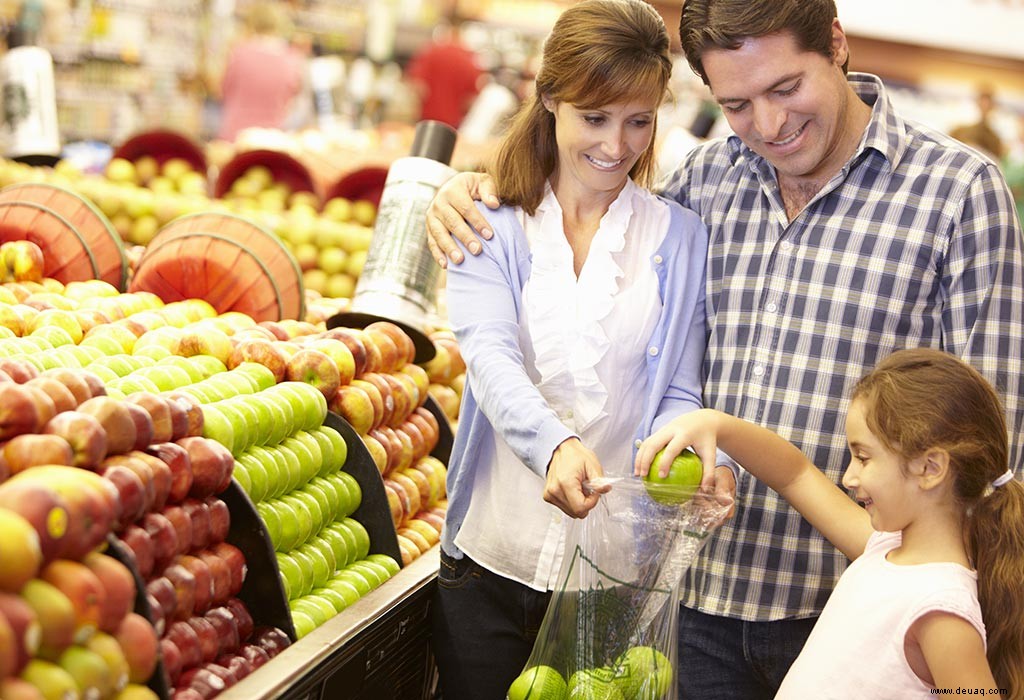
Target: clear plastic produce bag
(610, 629)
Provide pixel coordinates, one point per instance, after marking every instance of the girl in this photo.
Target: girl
(939, 529)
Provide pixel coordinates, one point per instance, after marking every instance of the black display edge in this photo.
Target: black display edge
(446, 437)
(262, 592)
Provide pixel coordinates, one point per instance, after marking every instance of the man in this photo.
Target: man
(839, 232)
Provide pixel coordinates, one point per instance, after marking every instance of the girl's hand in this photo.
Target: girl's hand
(571, 465)
(697, 429)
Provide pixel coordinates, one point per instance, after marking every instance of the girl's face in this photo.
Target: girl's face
(598, 147)
(875, 477)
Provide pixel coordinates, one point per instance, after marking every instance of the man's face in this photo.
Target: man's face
(790, 106)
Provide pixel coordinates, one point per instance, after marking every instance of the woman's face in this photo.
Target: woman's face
(598, 147)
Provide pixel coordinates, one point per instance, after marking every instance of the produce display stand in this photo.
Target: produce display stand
(374, 650)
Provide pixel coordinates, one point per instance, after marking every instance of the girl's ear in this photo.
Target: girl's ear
(548, 103)
(932, 468)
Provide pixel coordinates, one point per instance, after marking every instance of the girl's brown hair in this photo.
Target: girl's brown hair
(920, 399)
(599, 52)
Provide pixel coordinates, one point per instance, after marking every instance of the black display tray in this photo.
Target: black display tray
(446, 438)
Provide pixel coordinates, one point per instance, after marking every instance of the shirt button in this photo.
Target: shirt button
(637, 443)
(657, 259)
(771, 307)
(653, 351)
(758, 370)
(786, 245)
(568, 414)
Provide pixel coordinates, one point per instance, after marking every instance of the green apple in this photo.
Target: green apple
(243, 423)
(682, 481)
(194, 373)
(308, 569)
(166, 377)
(264, 418)
(302, 622)
(263, 464)
(241, 475)
(263, 375)
(310, 506)
(644, 673)
(284, 419)
(327, 550)
(337, 492)
(307, 449)
(208, 364)
(310, 399)
(103, 343)
(593, 684)
(360, 580)
(326, 496)
(217, 426)
(379, 574)
(323, 567)
(339, 544)
(337, 600)
(319, 609)
(121, 364)
(538, 683)
(361, 535)
(271, 521)
(346, 589)
(291, 575)
(389, 564)
(292, 468)
(355, 493)
(296, 522)
(256, 475)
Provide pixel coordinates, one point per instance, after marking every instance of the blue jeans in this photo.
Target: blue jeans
(728, 659)
(483, 627)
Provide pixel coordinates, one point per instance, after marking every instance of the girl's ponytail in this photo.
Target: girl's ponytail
(994, 534)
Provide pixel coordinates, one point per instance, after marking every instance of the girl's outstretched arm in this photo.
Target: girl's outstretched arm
(773, 460)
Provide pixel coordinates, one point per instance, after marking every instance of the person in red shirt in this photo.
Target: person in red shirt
(446, 75)
(263, 76)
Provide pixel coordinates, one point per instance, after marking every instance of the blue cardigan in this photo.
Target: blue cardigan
(484, 306)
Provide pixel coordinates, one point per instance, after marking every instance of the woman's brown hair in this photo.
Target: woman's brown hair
(921, 399)
(599, 52)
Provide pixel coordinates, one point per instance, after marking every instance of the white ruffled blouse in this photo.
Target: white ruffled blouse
(584, 343)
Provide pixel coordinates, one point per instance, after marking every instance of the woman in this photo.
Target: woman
(582, 324)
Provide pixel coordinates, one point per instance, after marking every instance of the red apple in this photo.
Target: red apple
(212, 464)
(25, 629)
(165, 539)
(131, 494)
(171, 656)
(355, 346)
(144, 428)
(226, 626)
(116, 419)
(184, 582)
(176, 458)
(203, 681)
(74, 381)
(180, 417)
(185, 638)
(220, 520)
(220, 572)
(236, 664)
(139, 642)
(391, 359)
(182, 523)
(353, 404)
(119, 584)
(84, 432)
(272, 640)
(18, 370)
(140, 544)
(58, 392)
(236, 564)
(18, 410)
(193, 411)
(200, 570)
(384, 389)
(199, 513)
(209, 645)
(264, 352)
(31, 449)
(44, 509)
(163, 477)
(83, 588)
(255, 655)
(315, 368)
(242, 617)
(161, 590)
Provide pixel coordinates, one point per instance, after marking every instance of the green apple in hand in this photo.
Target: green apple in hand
(682, 481)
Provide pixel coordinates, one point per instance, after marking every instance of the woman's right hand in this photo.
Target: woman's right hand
(572, 465)
(453, 212)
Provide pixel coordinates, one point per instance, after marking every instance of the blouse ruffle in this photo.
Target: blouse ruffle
(567, 313)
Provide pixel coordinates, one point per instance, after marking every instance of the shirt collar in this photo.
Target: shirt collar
(885, 133)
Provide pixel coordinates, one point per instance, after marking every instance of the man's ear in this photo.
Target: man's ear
(932, 468)
(840, 44)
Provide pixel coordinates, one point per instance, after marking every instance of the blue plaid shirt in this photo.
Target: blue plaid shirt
(915, 242)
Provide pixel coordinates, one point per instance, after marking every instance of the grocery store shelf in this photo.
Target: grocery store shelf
(398, 608)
